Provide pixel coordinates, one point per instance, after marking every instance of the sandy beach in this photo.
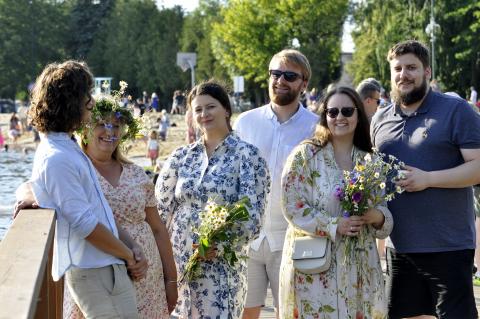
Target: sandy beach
(135, 150)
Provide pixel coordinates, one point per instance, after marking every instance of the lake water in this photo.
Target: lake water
(15, 168)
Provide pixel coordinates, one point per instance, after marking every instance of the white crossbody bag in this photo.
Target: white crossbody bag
(311, 255)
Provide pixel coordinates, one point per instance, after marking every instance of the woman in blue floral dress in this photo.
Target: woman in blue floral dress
(219, 166)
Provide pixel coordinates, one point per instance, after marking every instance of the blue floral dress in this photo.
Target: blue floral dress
(187, 180)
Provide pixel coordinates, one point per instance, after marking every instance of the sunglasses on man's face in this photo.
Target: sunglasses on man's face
(347, 111)
(289, 76)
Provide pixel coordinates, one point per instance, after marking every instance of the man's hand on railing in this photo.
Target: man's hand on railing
(138, 270)
(25, 199)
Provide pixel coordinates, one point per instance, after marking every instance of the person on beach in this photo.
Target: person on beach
(14, 131)
(2, 139)
(224, 168)
(153, 148)
(163, 125)
(437, 137)
(89, 249)
(352, 288)
(130, 193)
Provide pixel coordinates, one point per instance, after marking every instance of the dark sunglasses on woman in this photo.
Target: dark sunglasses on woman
(289, 76)
(347, 111)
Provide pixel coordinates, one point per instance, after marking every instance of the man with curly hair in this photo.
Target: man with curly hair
(90, 250)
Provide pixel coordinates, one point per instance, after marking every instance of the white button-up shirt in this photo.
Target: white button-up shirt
(275, 141)
(64, 179)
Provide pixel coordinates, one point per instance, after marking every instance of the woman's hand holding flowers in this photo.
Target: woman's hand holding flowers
(374, 217)
(350, 226)
(210, 254)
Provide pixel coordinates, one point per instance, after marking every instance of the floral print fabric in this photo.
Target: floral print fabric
(348, 289)
(128, 200)
(188, 178)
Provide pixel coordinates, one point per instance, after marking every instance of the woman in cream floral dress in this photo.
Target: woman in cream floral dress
(219, 166)
(346, 290)
(131, 195)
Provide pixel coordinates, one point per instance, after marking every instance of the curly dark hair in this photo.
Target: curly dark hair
(361, 137)
(58, 97)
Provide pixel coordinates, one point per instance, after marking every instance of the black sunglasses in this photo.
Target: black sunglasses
(289, 76)
(376, 100)
(347, 111)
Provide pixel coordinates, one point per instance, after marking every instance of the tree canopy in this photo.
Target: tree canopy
(251, 32)
(382, 23)
(137, 41)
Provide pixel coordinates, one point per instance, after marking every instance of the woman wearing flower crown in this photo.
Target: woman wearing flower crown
(130, 193)
(221, 166)
(348, 289)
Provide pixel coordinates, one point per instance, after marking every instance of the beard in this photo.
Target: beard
(283, 98)
(411, 97)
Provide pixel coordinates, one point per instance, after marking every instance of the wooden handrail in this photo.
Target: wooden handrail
(26, 286)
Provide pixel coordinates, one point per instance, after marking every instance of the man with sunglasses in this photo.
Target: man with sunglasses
(275, 128)
(369, 90)
(437, 137)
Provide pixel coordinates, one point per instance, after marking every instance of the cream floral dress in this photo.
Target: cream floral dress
(128, 200)
(347, 290)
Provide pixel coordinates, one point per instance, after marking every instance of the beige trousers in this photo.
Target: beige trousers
(103, 293)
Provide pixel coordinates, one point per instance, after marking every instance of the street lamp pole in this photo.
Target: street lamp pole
(431, 29)
(432, 22)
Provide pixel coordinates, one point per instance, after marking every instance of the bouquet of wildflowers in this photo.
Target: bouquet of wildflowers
(216, 228)
(365, 187)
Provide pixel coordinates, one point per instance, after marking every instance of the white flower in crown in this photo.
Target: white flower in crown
(123, 85)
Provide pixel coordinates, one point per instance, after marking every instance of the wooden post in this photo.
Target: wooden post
(23, 265)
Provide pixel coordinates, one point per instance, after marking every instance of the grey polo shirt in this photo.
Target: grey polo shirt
(435, 219)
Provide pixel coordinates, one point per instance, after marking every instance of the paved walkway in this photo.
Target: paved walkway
(268, 312)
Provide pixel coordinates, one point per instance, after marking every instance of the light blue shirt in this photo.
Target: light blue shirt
(261, 128)
(64, 179)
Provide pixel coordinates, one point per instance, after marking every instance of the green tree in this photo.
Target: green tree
(382, 23)
(458, 53)
(379, 25)
(139, 44)
(196, 37)
(86, 18)
(252, 31)
(32, 36)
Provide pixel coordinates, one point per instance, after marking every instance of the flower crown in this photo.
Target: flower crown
(107, 106)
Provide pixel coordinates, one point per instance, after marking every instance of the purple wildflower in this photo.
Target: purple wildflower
(338, 192)
(346, 214)
(357, 197)
(118, 115)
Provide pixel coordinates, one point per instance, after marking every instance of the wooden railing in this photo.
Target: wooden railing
(26, 286)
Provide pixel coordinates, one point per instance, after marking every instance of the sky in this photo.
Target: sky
(190, 5)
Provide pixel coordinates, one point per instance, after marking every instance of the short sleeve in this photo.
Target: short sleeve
(466, 124)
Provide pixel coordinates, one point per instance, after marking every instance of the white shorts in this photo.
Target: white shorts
(263, 267)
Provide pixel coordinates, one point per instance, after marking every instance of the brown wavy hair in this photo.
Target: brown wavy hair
(361, 137)
(58, 97)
